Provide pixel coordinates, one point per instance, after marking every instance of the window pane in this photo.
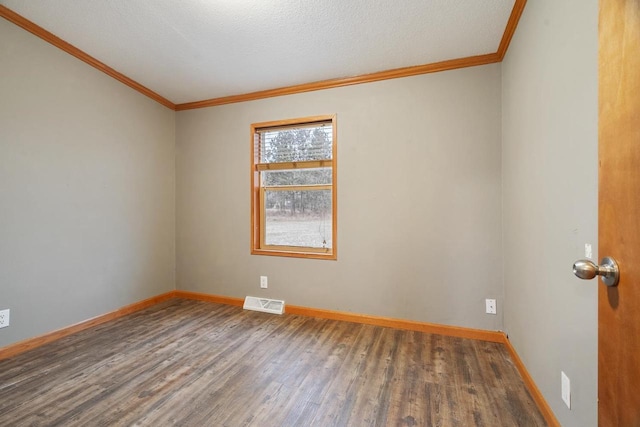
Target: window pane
(295, 145)
(296, 177)
(293, 178)
(298, 218)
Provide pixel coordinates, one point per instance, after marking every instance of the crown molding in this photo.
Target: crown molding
(453, 64)
(470, 61)
(45, 35)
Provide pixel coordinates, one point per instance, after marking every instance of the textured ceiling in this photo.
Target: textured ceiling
(190, 50)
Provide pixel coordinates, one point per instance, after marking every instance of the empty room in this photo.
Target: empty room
(328, 213)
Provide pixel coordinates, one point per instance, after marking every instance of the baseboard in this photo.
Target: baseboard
(432, 328)
(209, 298)
(455, 331)
(389, 322)
(31, 343)
(410, 325)
(544, 407)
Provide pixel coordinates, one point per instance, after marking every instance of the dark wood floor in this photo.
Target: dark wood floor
(199, 364)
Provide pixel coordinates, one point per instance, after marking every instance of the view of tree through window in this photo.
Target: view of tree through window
(295, 174)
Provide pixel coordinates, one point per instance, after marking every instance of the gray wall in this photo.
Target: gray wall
(87, 190)
(419, 200)
(87, 196)
(550, 136)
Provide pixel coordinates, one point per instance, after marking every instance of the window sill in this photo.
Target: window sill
(296, 254)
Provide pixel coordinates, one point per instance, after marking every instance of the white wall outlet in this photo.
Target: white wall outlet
(264, 283)
(4, 318)
(490, 306)
(566, 389)
(588, 252)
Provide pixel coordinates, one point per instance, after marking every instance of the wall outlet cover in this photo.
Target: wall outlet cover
(490, 306)
(566, 389)
(4, 318)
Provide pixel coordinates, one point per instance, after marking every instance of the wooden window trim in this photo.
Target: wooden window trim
(294, 165)
(310, 187)
(257, 213)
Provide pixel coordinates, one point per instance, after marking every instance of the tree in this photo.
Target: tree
(295, 145)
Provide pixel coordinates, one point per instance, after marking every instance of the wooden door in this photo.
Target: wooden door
(619, 211)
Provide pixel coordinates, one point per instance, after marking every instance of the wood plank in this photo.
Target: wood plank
(411, 325)
(389, 322)
(196, 363)
(31, 343)
(531, 386)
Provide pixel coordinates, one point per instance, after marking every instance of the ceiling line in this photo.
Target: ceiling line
(45, 35)
(452, 64)
(470, 61)
(510, 29)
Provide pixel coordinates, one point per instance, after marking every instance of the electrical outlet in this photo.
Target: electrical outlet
(264, 283)
(490, 306)
(4, 318)
(566, 389)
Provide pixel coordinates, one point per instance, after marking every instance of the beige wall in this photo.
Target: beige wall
(550, 137)
(87, 183)
(419, 200)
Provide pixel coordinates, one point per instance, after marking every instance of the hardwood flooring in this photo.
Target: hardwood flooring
(192, 363)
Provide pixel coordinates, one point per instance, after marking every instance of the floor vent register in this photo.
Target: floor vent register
(267, 305)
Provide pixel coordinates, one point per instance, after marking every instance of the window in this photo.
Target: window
(293, 188)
